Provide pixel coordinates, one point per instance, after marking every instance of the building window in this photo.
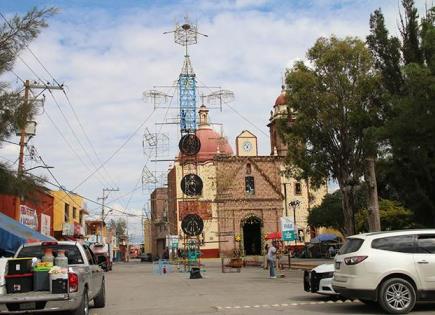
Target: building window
(250, 185)
(74, 213)
(81, 217)
(66, 213)
(248, 169)
(298, 189)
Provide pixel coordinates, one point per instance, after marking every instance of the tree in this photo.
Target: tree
(408, 167)
(15, 35)
(328, 214)
(334, 101)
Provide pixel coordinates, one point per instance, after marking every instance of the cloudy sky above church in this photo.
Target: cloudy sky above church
(107, 53)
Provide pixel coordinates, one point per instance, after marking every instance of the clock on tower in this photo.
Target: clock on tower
(246, 144)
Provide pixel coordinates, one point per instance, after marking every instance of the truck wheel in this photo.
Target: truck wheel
(100, 299)
(397, 296)
(83, 309)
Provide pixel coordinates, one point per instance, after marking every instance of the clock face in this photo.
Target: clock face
(192, 225)
(247, 146)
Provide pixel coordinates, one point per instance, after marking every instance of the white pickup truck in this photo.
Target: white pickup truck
(85, 283)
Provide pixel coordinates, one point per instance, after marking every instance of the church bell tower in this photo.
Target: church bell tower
(277, 144)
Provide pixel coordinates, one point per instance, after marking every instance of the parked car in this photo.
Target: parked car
(85, 283)
(393, 269)
(319, 280)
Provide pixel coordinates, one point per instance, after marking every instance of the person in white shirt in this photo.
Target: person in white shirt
(271, 253)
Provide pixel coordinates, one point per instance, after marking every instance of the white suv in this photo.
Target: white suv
(394, 269)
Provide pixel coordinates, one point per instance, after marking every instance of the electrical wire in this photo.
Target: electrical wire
(116, 151)
(92, 163)
(48, 88)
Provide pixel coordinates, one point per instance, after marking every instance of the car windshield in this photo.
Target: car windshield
(351, 245)
(71, 252)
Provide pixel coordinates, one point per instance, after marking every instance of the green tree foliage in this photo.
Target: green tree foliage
(335, 102)
(15, 35)
(407, 171)
(329, 214)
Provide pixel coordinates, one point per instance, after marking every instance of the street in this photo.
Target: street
(133, 288)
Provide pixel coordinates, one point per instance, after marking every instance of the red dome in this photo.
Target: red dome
(212, 143)
(281, 99)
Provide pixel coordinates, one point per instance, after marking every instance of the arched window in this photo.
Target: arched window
(249, 185)
(248, 169)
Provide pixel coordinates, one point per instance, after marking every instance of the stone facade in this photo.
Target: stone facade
(237, 205)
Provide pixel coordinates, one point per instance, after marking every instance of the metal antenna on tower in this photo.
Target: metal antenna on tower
(186, 35)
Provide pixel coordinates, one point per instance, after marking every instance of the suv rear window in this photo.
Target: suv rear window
(401, 244)
(351, 245)
(71, 252)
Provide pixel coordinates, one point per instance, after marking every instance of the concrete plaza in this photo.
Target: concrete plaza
(133, 288)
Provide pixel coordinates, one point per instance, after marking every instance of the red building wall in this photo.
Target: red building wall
(42, 203)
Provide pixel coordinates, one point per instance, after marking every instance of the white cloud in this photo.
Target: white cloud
(107, 59)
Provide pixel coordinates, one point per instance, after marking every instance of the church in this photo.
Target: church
(243, 195)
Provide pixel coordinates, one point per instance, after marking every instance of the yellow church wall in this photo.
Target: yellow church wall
(306, 203)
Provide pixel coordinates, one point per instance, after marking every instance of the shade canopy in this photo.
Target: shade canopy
(13, 234)
(324, 238)
(273, 236)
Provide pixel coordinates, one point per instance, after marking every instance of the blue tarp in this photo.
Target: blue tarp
(324, 238)
(13, 234)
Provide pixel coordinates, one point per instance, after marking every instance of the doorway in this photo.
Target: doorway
(252, 235)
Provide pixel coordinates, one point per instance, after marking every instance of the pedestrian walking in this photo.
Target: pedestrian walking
(266, 251)
(271, 253)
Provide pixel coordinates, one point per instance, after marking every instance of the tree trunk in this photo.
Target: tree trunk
(373, 202)
(348, 209)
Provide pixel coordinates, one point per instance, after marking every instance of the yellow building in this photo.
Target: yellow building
(68, 215)
(147, 242)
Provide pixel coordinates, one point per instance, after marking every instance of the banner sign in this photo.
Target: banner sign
(172, 241)
(45, 224)
(68, 229)
(28, 217)
(288, 229)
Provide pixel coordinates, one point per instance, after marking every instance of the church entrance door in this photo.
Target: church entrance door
(252, 235)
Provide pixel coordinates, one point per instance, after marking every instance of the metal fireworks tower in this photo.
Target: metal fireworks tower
(186, 35)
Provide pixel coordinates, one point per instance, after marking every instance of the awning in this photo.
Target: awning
(13, 234)
(273, 236)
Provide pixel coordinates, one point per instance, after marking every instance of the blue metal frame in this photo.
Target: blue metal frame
(187, 91)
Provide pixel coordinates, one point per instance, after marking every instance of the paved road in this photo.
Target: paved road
(133, 289)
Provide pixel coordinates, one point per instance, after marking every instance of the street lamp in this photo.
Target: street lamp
(294, 204)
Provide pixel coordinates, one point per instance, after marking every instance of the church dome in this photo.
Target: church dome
(281, 99)
(212, 143)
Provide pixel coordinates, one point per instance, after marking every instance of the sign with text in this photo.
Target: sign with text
(29, 217)
(288, 229)
(45, 224)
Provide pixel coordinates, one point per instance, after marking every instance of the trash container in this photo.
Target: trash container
(195, 273)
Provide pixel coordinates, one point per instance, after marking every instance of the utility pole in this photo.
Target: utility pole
(27, 87)
(103, 199)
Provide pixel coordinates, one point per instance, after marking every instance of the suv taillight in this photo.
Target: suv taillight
(354, 260)
(73, 281)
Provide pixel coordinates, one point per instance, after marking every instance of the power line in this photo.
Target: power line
(84, 197)
(116, 151)
(86, 135)
(61, 86)
(76, 136)
(240, 115)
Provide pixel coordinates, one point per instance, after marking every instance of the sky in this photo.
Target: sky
(107, 53)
